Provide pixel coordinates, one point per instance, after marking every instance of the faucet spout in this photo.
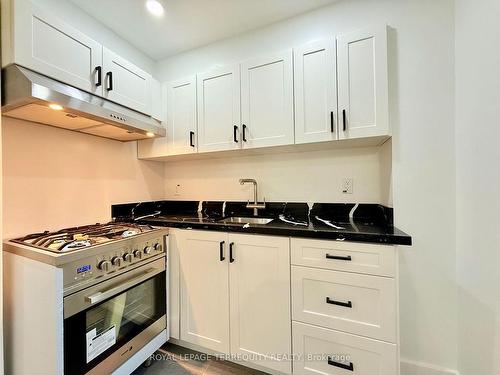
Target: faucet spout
(256, 206)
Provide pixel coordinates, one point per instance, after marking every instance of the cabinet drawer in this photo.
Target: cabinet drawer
(324, 351)
(360, 304)
(345, 256)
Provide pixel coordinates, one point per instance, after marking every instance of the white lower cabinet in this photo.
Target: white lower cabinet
(239, 295)
(344, 308)
(259, 283)
(324, 351)
(235, 295)
(204, 290)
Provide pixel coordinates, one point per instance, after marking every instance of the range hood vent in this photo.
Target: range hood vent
(34, 97)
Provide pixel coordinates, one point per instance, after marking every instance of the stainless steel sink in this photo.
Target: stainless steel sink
(246, 220)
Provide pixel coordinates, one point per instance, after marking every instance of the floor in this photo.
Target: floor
(175, 360)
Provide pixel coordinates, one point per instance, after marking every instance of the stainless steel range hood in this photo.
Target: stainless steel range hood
(28, 95)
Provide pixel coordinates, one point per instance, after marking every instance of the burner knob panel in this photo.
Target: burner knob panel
(128, 257)
(117, 261)
(104, 265)
(147, 250)
(137, 254)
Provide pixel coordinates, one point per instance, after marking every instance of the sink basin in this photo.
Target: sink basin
(246, 220)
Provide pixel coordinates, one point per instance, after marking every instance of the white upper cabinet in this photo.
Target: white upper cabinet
(125, 83)
(363, 83)
(267, 101)
(219, 115)
(315, 81)
(46, 45)
(181, 116)
(259, 279)
(43, 43)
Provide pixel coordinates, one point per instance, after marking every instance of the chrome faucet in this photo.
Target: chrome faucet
(255, 205)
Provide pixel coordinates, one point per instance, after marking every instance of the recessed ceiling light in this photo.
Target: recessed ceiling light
(155, 8)
(56, 107)
(149, 134)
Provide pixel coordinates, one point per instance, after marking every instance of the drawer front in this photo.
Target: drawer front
(345, 256)
(349, 302)
(324, 351)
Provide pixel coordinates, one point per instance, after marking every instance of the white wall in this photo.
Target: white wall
(478, 181)
(300, 176)
(55, 178)
(421, 58)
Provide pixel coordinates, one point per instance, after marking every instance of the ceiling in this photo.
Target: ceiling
(189, 24)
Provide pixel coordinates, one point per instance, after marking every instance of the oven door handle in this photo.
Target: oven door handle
(124, 285)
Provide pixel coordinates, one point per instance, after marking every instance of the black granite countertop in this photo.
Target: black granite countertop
(370, 223)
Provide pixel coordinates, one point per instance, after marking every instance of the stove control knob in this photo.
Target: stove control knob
(147, 250)
(104, 265)
(128, 257)
(117, 261)
(158, 247)
(138, 254)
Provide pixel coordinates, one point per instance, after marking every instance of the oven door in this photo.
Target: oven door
(106, 324)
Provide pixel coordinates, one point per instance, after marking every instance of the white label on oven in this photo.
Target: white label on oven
(98, 343)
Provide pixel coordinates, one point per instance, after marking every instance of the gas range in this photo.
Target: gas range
(93, 253)
(102, 295)
(71, 239)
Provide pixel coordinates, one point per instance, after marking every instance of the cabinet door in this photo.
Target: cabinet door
(219, 115)
(315, 87)
(204, 290)
(125, 83)
(362, 82)
(181, 116)
(46, 45)
(260, 300)
(267, 101)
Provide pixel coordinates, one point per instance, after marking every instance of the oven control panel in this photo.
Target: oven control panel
(113, 260)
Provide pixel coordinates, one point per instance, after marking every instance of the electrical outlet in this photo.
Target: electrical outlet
(347, 186)
(177, 190)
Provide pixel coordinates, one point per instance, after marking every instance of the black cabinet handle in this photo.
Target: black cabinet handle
(235, 133)
(343, 304)
(344, 121)
(98, 70)
(191, 141)
(221, 251)
(231, 258)
(244, 133)
(332, 126)
(349, 367)
(109, 77)
(347, 258)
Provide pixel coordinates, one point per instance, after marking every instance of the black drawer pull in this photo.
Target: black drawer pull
(349, 367)
(343, 304)
(231, 258)
(109, 76)
(344, 120)
(98, 70)
(244, 133)
(221, 251)
(332, 127)
(347, 258)
(191, 142)
(235, 133)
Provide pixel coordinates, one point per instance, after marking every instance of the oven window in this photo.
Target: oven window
(93, 334)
